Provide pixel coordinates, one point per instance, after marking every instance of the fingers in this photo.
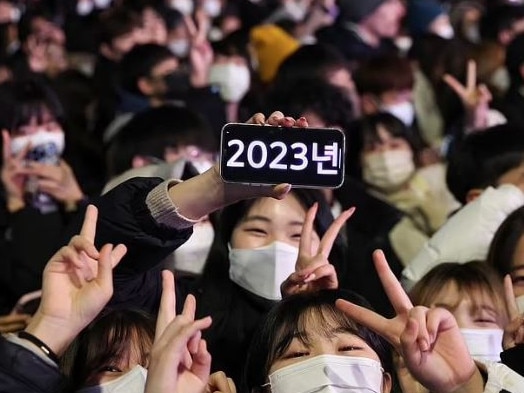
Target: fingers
(411, 351)
(396, 294)
(108, 259)
(275, 118)
(456, 86)
(302, 122)
(189, 309)
(471, 76)
(325, 274)
(167, 310)
(81, 244)
(281, 190)
(257, 118)
(117, 254)
(386, 328)
(89, 225)
(419, 315)
(201, 362)
(326, 244)
(307, 230)
(219, 382)
(511, 302)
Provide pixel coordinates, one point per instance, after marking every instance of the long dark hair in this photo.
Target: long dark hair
(113, 336)
(504, 244)
(287, 320)
(215, 278)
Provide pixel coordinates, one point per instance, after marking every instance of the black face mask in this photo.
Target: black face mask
(178, 84)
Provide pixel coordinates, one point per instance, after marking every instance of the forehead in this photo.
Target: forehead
(451, 295)
(287, 209)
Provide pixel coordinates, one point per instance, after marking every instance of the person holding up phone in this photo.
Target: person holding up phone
(256, 248)
(39, 187)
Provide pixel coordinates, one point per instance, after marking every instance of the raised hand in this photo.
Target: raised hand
(59, 181)
(197, 197)
(475, 98)
(14, 173)
(77, 284)
(200, 53)
(313, 270)
(514, 331)
(429, 340)
(179, 357)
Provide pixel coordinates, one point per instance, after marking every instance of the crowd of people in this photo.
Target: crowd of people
(127, 264)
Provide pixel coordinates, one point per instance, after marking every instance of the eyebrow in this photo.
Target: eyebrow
(267, 220)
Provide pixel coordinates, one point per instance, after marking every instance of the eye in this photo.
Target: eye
(295, 354)
(110, 369)
(519, 280)
(296, 236)
(256, 231)
(348, 348)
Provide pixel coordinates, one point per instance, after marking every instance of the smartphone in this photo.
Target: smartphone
(269, 155)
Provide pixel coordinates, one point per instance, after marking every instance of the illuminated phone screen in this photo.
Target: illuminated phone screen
(305, 157)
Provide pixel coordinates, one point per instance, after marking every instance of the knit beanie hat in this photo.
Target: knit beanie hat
(420, 15)
(357, 10)
(271, 46)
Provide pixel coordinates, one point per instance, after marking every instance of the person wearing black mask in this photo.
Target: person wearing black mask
(151, 76)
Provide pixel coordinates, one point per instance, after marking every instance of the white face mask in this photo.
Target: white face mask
(501, 79)
(212, 8)
(133, 381)
(233, 79)
(296, 10)
(102, 4)
(329, 373)
(262, 270)
(520, 303)
(404, 111)
(388, 170)
(40, 138)
(185, 7)
(191, 256)
(179, 47)
(445, 31)
(484, 344)
(84, 8)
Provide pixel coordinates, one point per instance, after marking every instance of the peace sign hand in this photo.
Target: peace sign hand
(201, 53)
(429, 340)
(475, 98)
(77, 284)
(179, 357)
(514, 331)
(313, 271)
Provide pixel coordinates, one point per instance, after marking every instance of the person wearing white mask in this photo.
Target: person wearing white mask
(40, 188)
(267, 227)
(332, 341)
(123, 341)
(178, 38)
(307, 345)
(474, 294)
(506, 253)
(231, 73)
(388, 166)
(186, 7)
(385, 84)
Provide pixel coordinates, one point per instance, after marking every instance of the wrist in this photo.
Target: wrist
(475, 384)
(199, 80)
(57, 335)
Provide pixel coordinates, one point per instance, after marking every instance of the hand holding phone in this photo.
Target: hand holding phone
(268, 155)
